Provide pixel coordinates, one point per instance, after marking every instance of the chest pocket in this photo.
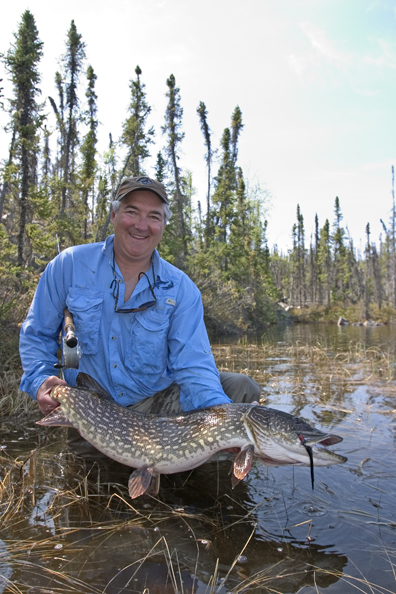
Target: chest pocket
(148, 349)
(86, 308)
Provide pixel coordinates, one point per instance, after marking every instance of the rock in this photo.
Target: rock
(342, 321)
(282, 315)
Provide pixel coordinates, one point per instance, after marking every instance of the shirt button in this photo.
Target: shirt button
(114, 365)
(121, 394)
(113, 337)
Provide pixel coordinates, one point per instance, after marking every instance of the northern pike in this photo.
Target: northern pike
(155, 444)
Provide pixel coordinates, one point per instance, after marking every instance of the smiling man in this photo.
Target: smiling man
(139, 320)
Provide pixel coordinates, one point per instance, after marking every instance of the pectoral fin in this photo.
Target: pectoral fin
(154, 485)
(139, 481)
(242, 464)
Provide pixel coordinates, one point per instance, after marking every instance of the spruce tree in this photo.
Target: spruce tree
(223, 199)
(73, 63)
(203, 119)
(134, 135)
(107, 190)
(313, 264)
(7, 172)
(236, 128)
(324, 264)
(369, 274)
(239, 240)
(88, 148)
(172, 128)
(21, 62)
(299, 257)
(160, 168)
(341, 271)
(46, 160)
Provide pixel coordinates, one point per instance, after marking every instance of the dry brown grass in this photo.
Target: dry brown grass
(357, 364)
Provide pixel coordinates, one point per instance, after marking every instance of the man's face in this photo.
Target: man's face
(138, 225)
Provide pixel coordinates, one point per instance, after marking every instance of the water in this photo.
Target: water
(63, 532)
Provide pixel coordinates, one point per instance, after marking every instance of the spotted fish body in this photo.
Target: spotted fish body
(155, 444)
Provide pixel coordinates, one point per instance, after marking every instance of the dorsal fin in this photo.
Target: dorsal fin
(86, 382)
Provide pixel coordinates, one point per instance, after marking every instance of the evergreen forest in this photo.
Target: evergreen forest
(56, 191)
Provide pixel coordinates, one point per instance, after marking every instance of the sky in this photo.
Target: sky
(314, 79)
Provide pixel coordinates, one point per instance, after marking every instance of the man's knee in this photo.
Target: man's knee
(240, 387)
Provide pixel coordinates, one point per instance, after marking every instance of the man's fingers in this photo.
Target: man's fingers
(47, 404)
(44, 400)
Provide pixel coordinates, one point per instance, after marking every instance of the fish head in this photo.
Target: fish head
(280, 438)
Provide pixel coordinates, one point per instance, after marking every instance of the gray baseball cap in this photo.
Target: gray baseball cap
(129, 184)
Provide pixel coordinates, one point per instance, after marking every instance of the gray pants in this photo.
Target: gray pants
(238, 387)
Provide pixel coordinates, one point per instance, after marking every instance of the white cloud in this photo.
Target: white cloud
(366, 92)
(323, 46)
(385, 55)
(298, 64)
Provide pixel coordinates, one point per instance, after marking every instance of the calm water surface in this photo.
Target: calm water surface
(63, 532)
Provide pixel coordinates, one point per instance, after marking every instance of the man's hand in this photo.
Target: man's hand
(44, 400)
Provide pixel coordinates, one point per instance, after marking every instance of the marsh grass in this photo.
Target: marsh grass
(265, 583)
(12, 401)
(43, 487)
(356, 364)
(35, 559)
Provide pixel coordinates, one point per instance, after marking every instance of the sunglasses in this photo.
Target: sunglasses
(115, 286)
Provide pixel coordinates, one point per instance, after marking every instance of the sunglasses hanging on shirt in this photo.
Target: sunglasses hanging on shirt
(115, 286)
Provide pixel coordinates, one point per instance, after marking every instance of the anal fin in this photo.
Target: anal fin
(139, 481)
(242, 464)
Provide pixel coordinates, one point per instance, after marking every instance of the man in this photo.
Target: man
(139, 320)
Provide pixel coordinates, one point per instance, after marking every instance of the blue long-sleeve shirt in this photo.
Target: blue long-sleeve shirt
(132, 355)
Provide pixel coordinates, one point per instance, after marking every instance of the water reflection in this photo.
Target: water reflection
(5, 567)
(331, 336)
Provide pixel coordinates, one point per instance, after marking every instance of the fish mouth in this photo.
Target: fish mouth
(320, 447)
(317, 453)
(316, 443)
(319, 438)
(321, 452)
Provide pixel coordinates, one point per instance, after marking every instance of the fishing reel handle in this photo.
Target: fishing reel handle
(70, 329)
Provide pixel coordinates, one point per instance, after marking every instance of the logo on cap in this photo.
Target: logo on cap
(144, 180)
